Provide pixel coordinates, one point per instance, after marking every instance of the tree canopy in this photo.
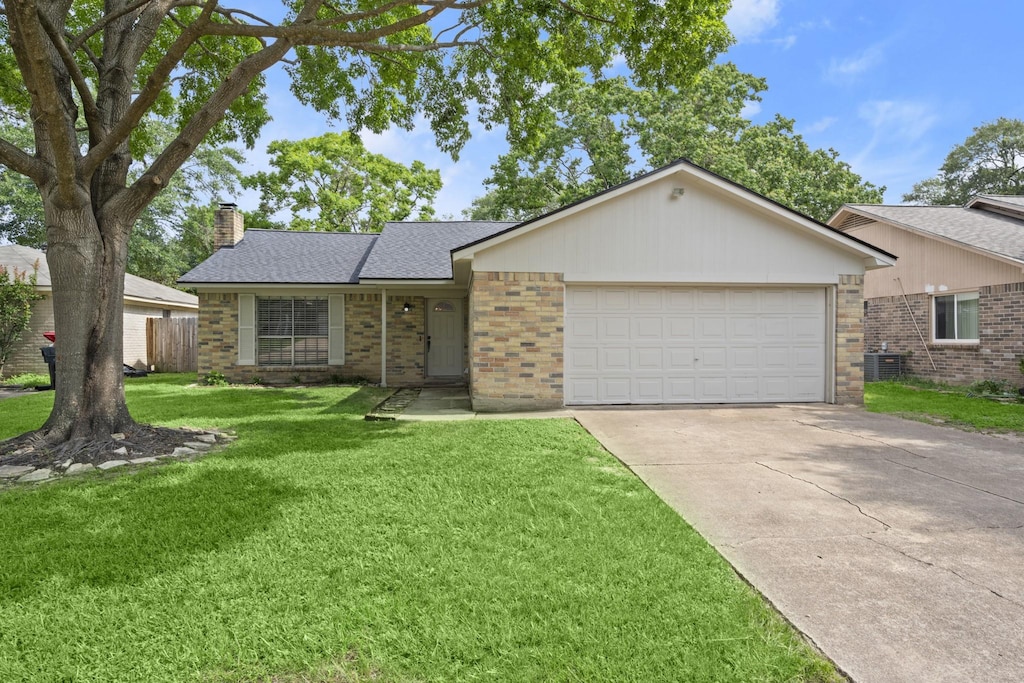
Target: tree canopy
(332, 183)
(989, 161)
(109, 69)
(593, 130)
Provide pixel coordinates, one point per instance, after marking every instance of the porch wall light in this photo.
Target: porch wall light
(406, 307)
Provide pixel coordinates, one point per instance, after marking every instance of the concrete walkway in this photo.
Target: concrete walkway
(452, 403)
(897, 547)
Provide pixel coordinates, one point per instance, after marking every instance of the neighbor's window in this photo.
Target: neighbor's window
(956, 317)
(291, 331)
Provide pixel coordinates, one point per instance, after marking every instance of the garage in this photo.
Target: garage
(649, 345)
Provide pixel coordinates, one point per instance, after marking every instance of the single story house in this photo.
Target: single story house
(676, 287)
(142, 299)
(954, 304)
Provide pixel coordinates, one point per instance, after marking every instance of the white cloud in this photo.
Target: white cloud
(748, 19)
(750, 109)
(820, 126)
(785, 42)
(852, 67)
(901, 120)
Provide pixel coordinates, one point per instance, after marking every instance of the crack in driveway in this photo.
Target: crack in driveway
(945, 569)
(821, 488)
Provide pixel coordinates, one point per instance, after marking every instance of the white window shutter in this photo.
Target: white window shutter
(336, 331)
(247, 329)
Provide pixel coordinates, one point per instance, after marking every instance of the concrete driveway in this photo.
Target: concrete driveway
(897, 547)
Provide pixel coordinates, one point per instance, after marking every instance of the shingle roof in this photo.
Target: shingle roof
(24, 258)
(286, 257)
(422, 251)
(986, 230)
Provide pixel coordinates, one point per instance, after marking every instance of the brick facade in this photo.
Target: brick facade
(996, 356)
(218, 343)
(515, 338)
(850, 340)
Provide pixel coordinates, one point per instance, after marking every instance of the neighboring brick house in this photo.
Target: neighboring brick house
(142, 299)
(676, 287)
(954, 302)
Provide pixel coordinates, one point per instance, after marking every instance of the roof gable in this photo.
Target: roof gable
(986, 232)
(688, 169)
(135, 287)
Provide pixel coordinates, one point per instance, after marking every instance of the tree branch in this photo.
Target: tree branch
(150, 92)
(40, 80)
(92, 114)
(21, 162)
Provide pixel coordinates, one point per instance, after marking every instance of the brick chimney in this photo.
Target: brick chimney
(227, 226)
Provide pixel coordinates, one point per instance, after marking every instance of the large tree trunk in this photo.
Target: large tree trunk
(87, 252)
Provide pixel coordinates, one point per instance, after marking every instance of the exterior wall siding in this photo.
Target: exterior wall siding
(218, 343)
(995, 357)
(516, 340)
(849, 362)
(26, 356)
(926, 264)
(646, 236)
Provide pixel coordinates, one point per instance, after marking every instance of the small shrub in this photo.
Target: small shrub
(215, 379)
(297, 379)
(256, 379)
(999, 387)
(26, 379)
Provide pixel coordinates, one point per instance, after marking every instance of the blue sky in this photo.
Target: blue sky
(891, 85)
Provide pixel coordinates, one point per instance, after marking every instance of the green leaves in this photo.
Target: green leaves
(989, 161)
(332, 183)
(17, 292)
(586, 142)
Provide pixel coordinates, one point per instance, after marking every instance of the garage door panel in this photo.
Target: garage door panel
(678, 329)
(582, 359)
(614, 358)
(649, 358)
(614, 329)
(695, 344)
(711, 328)
(648, 328)
(680, 358)
(615, 390)
(581, 329)
(648, 390)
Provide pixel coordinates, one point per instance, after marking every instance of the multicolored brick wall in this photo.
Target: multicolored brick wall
(218, 343)
(850, 340)
(996, 356)
(26, 356)
(516, 341)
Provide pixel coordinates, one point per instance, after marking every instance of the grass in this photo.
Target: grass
(323, 547)
(959, 407)
(26, 379)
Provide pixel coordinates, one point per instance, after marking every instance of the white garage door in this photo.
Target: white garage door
(694, 344)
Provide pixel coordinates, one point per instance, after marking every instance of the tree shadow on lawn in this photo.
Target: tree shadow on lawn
(128, 530)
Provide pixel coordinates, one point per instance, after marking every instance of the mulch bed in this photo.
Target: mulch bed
(141, 441)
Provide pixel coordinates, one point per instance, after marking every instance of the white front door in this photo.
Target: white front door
(444, 337)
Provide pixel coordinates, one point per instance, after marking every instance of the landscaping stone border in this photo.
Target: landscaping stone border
(204, 442)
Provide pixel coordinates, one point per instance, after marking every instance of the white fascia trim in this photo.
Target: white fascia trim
(162, 303)
(410, 283)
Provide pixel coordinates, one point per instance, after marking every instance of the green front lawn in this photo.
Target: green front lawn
(957, 407)
(323, 547)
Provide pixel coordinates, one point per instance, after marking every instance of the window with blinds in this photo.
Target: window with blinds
(291, 331)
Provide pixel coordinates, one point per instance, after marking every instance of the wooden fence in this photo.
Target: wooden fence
(171, 344)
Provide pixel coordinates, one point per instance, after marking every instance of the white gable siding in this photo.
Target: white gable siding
(705, 236)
